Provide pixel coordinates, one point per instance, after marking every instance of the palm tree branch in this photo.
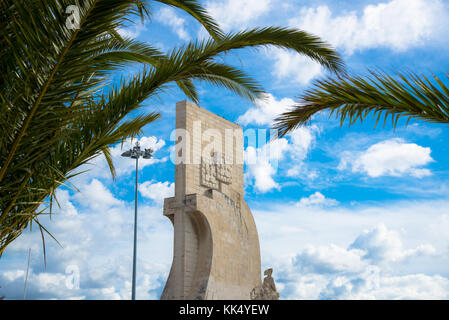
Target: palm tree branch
(46, 85)
(193, 8)
(403, 95)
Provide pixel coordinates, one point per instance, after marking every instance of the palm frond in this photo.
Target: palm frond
(384, 96)
(189, 89)
(58, 70)
(194, 8)
(285, 38)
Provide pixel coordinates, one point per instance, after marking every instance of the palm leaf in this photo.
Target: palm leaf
(353, 98)
(59, 108)
(199, 13)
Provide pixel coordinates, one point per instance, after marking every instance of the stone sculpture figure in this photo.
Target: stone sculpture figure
(267, 291)
(216, 246)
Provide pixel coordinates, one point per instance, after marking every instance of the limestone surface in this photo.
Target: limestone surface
(216, 246)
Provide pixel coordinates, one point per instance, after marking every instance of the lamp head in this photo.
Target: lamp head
(148, 154)
(127, 153)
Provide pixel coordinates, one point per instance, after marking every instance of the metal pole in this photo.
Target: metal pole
(26, 277)
(133, 297)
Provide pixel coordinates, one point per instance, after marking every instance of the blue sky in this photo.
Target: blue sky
(348, 213)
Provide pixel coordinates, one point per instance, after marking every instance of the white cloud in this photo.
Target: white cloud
(301, 142)
(265, 110)
(316, 199)
(236, 14)
(331, 261)
(168, 17)
(96, 196)
(391, 157)
(395, 24)
(291, 65)
(63, 200)
(13, 275)
(372, 284)
(262, 164)
(372, 247)
(264, 161)
(262, 173)
(382, 245)
(157, 191)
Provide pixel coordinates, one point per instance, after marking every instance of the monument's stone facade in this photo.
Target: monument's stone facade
(216, 246)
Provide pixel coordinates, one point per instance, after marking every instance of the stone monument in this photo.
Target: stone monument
(267, 291)
(216, 246)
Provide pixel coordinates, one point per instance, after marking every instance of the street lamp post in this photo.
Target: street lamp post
(136, 153)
